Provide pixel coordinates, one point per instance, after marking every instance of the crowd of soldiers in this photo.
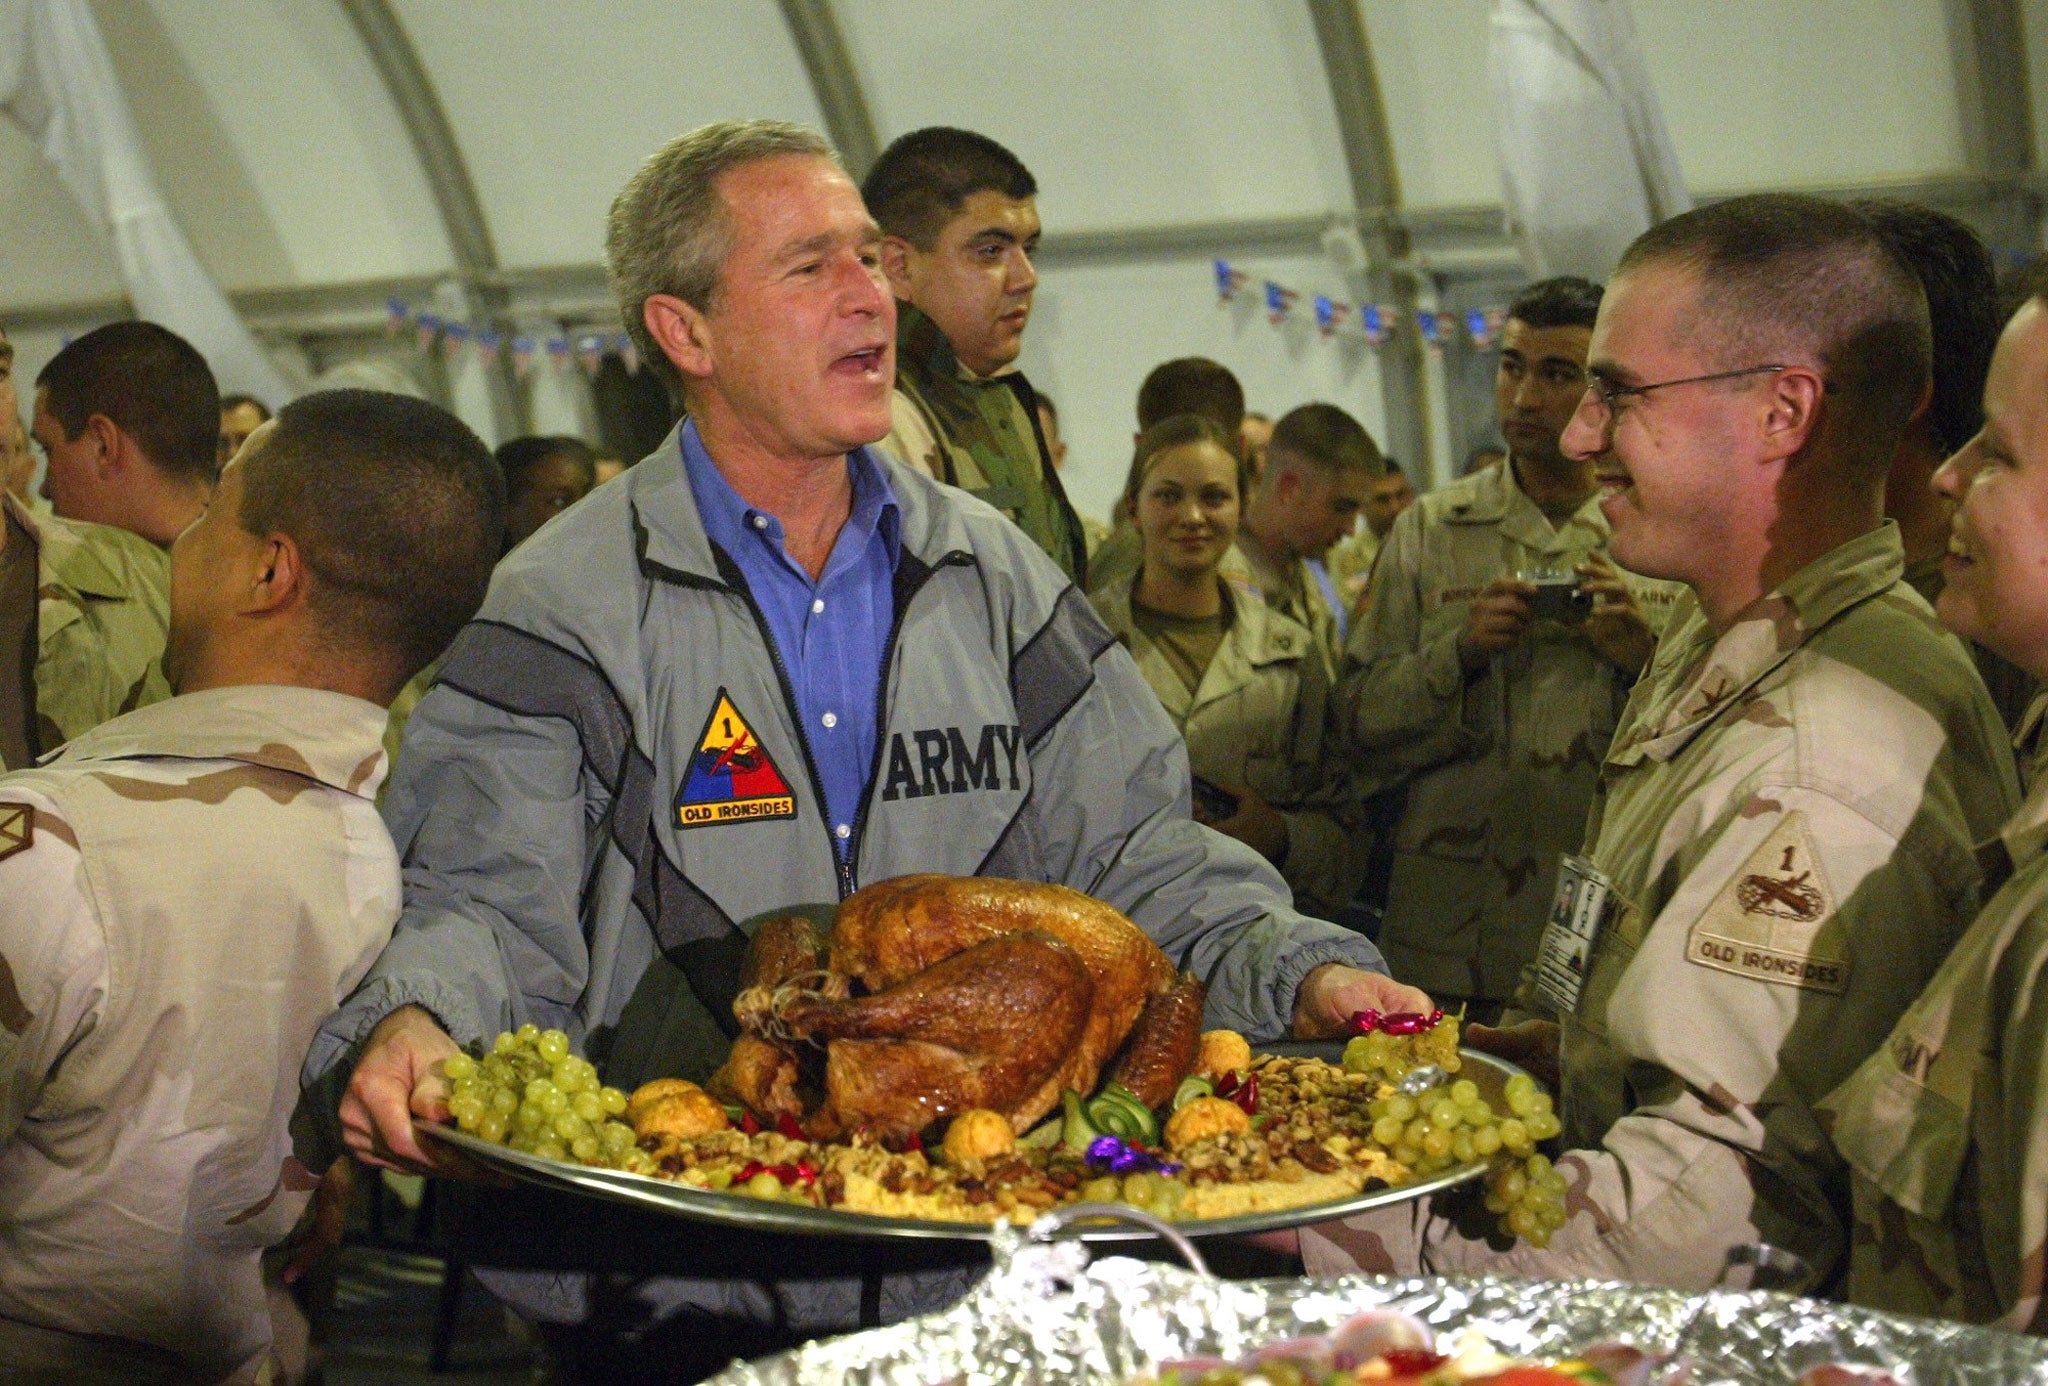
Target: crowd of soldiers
(1643, 745)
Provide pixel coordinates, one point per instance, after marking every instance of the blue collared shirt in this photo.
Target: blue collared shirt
(830, 634)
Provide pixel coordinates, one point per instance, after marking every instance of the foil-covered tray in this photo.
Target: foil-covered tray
(1044, 1317)
(735, 1210)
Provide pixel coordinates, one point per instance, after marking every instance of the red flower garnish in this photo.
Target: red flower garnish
(915, 1144)
(750, 1124)
(1247, 1095)
(786, 1126)
(1398, 1023)
(1227, 1084)
(748, 1171)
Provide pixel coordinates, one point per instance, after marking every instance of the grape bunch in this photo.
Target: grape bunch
(532, 1094)
(1390, 1058)
(1452, 1124)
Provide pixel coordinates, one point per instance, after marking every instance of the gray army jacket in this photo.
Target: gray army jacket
(568, 861)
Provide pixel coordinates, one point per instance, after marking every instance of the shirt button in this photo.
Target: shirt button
(842, 832)
(830, 719)
(760, 522)
(817, 605)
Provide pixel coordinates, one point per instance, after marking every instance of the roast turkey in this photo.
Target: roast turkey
(936, 994)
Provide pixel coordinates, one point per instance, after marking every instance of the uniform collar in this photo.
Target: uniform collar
(1492, 496)
(922, 346)
(332, 738)
(65, 553)
(669, 527)
(1695, 676)
(2025, 834)
(728, 518)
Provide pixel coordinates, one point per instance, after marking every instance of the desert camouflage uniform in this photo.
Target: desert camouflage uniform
(1294, 592)
(1786, 817)
(1946, 1126)
(1499, 766)
(103, 610)
(1350, 563)
(1262, 717)
(979, 433)
(1118, 560)
(185, 894)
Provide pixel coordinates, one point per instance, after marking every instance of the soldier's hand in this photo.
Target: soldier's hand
(1496, 620)
(1257, 824)
(398, 1077)
(1532, 1044)
(1616, 626)
(319, 1231)
(1331, 994)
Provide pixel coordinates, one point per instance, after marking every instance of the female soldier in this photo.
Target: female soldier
(1242, 682)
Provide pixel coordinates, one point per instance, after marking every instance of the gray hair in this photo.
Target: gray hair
(668, 232)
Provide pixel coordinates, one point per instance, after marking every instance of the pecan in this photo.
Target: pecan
(832, 1185)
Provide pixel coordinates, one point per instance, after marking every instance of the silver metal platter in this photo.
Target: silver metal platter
(737, 1210)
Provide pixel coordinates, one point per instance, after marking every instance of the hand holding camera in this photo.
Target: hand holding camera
(1496, 621)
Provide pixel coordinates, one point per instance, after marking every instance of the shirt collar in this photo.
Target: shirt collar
(733, 525)
(333, 738)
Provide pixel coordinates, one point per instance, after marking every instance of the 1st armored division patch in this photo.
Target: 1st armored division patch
(1775, 919)
(17, 829)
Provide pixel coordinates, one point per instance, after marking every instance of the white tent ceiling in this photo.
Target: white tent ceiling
(1161, 131)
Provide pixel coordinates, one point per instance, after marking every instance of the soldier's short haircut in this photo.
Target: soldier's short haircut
(1783, 275)
(1961, 283)
(151, 383)
(669, 231)
(1192, 385)
(1179, 431)
(397, 509)
(517, 459)
(230, 403)
(1324, 439)
(924, 178)
(1566, 301)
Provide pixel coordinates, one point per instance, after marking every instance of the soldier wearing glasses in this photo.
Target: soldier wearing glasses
(1784, 822)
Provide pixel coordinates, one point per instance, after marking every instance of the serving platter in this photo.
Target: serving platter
(736, 1210)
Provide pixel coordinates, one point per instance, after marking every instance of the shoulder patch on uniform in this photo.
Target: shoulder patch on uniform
(17, 828)
(1775, 919)
(731, 777)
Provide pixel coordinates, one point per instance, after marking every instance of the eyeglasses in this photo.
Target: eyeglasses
(1611, 396)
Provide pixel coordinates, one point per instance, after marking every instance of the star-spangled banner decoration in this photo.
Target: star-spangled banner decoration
(1279, 301)
(1228, 280)
(1330, 314)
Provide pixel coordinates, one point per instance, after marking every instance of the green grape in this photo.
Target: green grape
(1421, 1129)
(1522, 1103)
(1104, 1190)
(765, 1185)
(614, 1100)
(1537, 1167)
(1543, 1125)
(1401, 1107)
(1444, 1114)
(492, 1126)
(1485, 1140)
(1514, 1137)
(1437, 1144)
(504, 1101)
(505, 1043)
(538, 1088)
(465, 1110)
(529, 1033)
(552, 1045)
(1387, 1131)
(1512, 1184)
(521, 1141)
(1138, 1188)
(588, 1106)
(1461, 1146)
(553, 1101)
(1357, 1054)
(530, 1117)
(499, 1069)
(1407, 1153)
(640, 1162)
(617, 1136)
(586, 1149)
(568, 1126)
(1520, 1085)
(1464, 1092)
(548, 1148)
(1495, 1204)
(458, 1066)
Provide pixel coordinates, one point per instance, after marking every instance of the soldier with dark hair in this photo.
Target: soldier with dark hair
(129, 418)
(959, 218)
(1784, 824)
(544, 475)
(1494, 717)
(187, 891)
(1192, 385)
(240, 415)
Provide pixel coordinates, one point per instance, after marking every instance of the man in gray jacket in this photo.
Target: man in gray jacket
(764, 668)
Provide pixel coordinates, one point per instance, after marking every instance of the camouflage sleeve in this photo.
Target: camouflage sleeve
(1403, 688)
(53, 958)
(2015, 1197)
(1119, 829)
(1798, 933)
(910, 440)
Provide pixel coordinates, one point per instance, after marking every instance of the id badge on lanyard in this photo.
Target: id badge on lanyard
(1584, 900)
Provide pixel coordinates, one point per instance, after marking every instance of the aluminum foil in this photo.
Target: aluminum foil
(1044, 1315)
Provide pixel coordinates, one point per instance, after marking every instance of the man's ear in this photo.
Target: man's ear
(897, 256)
(682, 331)
(1792, 410)
(281, 577)
(114, 445)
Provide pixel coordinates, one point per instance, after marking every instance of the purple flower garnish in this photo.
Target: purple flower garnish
(1123, 1158)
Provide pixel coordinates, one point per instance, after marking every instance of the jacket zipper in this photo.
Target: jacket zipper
(902, 608)
(843, 868)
